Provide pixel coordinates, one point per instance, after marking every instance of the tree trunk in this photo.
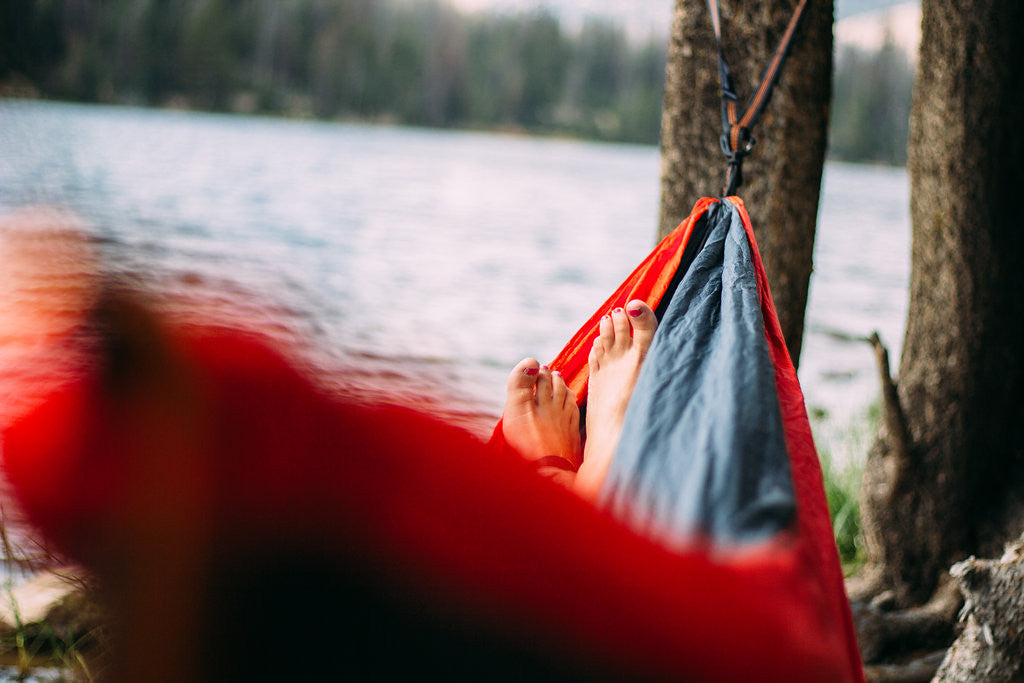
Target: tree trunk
(783, 174)
(956, 485)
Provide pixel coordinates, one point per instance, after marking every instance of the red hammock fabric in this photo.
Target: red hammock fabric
(221, 452)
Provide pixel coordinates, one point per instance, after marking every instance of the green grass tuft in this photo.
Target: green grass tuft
(842, 491)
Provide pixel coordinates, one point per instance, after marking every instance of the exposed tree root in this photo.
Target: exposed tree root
(911, 644)
(890, 635)
(917, 670)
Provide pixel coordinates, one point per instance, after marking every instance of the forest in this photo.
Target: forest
(420, 63)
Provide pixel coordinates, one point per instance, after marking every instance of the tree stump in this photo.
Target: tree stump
(991, 647)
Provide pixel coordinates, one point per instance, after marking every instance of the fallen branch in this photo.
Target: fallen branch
(892, 412)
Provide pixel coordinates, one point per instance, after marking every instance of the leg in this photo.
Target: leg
(615, 360)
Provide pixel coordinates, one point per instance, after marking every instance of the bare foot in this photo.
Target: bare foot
(615, 360)
(541, 418)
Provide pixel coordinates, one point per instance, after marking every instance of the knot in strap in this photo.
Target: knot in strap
(736, 140)
(736, 144)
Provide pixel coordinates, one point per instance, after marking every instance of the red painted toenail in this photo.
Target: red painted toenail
(636, 313)
(530, 371)
(543, 367)
(617, 310)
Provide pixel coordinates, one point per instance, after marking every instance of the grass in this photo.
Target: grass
(46, 651)
(842, 485)
(33, 648)
(842, 490)
(62, 651)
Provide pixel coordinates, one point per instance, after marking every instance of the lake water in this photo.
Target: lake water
(439, 257)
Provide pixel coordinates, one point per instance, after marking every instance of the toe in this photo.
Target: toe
(606, 331)
(643, 321)
(544, 384)
(558, 388)
(596, 353)
(522, 380)
(620, 325)
(570, 402)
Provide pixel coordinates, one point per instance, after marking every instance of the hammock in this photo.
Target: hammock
(716, 453)
(409, 546)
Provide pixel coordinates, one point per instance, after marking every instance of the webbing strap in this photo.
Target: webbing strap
(737, 140)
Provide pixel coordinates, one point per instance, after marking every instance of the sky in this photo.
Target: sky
(641, 17)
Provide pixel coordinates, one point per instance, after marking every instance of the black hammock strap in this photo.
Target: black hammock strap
(737, 139)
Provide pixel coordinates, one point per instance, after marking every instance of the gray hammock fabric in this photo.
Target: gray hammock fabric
(703, 452)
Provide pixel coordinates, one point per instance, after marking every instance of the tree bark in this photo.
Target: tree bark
(958, 487)
(783, 174)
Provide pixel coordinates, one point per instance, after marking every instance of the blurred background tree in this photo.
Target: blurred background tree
(416, 63)
(871, 104)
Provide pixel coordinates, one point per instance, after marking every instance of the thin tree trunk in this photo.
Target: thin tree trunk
(958, 486)
(783, 174)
